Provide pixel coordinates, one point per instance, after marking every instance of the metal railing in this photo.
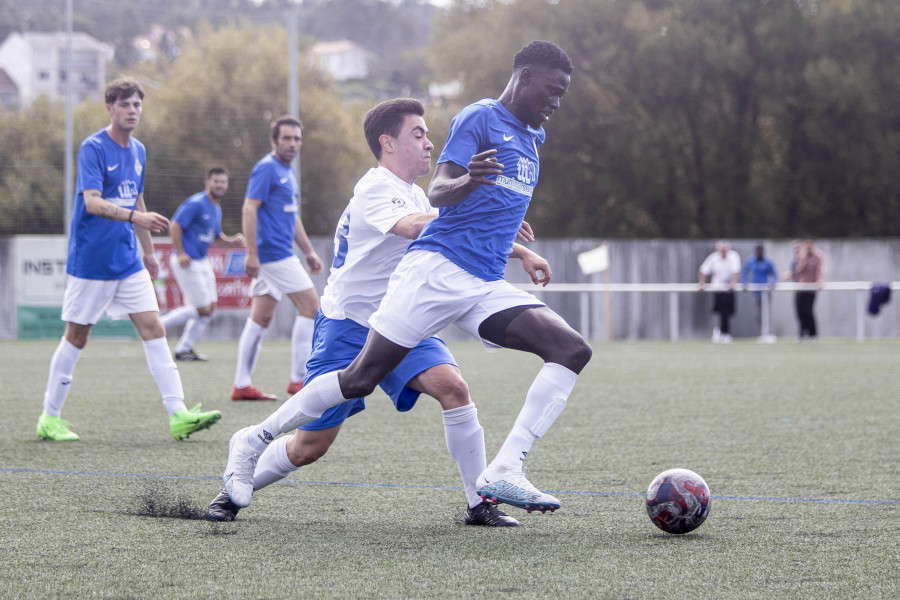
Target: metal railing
(861, 289)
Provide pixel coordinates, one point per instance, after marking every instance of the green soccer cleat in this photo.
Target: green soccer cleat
(185, 422)
(55, 428)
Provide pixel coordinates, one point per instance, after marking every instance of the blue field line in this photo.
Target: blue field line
(448, 488)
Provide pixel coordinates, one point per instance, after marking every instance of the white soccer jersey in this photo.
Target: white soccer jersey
(365, 254)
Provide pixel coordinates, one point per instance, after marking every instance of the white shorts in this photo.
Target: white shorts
(197, 282)
(428, 292)
(85, 299)
(280, 277)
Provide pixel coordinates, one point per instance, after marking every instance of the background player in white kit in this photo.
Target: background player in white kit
(106, 273)
(453, 273)
(386, 212)
(197, 223)
(271, 222)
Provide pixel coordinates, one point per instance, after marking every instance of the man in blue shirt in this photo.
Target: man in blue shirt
(197, 223)
(106, 272)
(453, 273)
(271, 221)
(760, 270)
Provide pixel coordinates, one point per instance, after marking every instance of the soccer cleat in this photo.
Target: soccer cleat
(190, 355)
(238, 476)
(294, 387)
(185, 422)
(251, 393)
(55, 428)
(511, 487)
(489, 515)
(222, 508)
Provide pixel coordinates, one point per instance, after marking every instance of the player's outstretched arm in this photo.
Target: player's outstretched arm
(452, 182)
(412, 225)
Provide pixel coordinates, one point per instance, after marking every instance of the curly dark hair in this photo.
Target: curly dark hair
(122, 89)
(387, 118)
(541, 53)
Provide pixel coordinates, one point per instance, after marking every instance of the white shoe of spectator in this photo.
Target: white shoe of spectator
(717, 335)
(725, 338)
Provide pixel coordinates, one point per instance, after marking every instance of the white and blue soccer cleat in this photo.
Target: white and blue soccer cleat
(511, 487)
(238, 477)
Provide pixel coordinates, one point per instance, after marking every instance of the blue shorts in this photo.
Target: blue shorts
(336, 344)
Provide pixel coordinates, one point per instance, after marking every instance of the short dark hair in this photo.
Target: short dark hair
(387, 118)
(124, 87)
(217, 171)
(285, 120)
(541, 53)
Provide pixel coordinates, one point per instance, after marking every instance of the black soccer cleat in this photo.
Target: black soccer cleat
(488, 515)
(222, 508)
(189, 355)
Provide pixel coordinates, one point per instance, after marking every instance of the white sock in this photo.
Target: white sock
(301, 347)
(192, 331)
(465, 441)
(62, 365)
(544, 402)
(273, 464)
(305, 406)
(248, 351)
(178, 316)
(165, 374)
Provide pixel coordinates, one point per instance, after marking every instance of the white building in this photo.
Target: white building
(344, 59)
(36, 63)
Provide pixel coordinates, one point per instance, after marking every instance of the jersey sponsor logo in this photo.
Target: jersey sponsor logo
(290, 208)
(516, 186)
(127, 191)
(112, 168)
(527, 171)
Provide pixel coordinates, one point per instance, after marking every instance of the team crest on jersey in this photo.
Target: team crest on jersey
(137, 167)
(398, 202)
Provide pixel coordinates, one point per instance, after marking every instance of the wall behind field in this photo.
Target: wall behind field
(632, 316)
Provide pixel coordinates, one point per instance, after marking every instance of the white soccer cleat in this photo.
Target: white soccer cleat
(511, 487)
(238, 477)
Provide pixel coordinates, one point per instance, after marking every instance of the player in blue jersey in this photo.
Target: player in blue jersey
(197, 223)
(271, 221)
(386, 212)
(453, 274)
(107, 272)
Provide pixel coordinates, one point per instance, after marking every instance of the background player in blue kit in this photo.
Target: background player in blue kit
(197, 223)
(386, 212)
(271, 220)
(453, 273)
(106, 272)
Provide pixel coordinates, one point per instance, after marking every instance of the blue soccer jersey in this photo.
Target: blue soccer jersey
(478, 233)
(273, 183)
(100, 248)
(201, 224)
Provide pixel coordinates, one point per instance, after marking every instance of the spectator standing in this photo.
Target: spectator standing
(809, 271)
(760, 270)
(722, 267)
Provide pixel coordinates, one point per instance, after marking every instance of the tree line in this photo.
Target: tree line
(685, 119)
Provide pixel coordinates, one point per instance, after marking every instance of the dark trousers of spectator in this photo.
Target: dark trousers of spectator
(723, 304)
(804, 302)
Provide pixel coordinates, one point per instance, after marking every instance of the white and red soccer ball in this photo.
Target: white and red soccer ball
(678, 501)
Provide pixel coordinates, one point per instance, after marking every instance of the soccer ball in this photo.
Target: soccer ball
(678, 501)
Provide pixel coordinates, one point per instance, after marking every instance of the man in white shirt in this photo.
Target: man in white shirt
(722, 267)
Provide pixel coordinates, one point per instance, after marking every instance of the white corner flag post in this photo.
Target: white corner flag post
(597, 261)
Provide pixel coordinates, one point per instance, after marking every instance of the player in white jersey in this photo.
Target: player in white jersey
(386, 212)
(453, 274)
(271, 222)
(196, 225)
(106, 273)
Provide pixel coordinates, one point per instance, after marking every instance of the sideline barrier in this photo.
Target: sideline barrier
(584, 290)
